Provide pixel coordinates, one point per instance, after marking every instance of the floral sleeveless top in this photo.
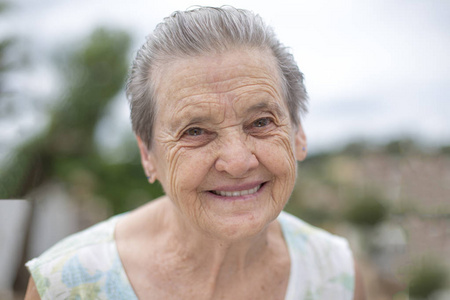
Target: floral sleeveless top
(86, 265)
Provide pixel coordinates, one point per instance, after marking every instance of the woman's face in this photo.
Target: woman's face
(224, 146)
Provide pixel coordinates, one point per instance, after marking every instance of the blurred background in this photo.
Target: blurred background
(378, 127)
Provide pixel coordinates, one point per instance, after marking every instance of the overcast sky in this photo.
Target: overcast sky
(375, 70)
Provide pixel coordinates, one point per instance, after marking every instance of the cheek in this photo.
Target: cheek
(279, 159)
(186, 171)
(278, 156)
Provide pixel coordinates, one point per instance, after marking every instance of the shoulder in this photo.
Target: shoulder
(98, 234)
(82, 260)
(302, 234)
(321, 263)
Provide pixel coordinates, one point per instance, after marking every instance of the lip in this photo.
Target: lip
(236, 192)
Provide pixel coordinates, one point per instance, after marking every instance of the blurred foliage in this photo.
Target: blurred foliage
(445, 150)
(401, 147)
(7, 47)
(384, 198)
(93, 72)
(4, 6)
(355, 149)
(367, 210)
(353, 184)
(426, 277)
(329, 189)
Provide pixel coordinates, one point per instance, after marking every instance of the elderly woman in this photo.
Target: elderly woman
(215, 103)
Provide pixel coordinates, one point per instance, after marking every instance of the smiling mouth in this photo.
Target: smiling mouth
(237, 193)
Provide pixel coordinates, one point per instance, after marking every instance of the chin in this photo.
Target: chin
(240, 227)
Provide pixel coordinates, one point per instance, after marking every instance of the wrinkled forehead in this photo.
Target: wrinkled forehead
(222, 73)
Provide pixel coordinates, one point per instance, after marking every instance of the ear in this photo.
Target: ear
(300, 144)
(147, 161)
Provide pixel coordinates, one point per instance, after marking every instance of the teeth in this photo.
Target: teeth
(237, 193)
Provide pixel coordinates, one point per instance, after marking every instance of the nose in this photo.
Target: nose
(235, 157)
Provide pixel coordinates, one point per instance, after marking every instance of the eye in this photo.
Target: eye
(261, 126)
(197, 137)
(261, 122)
(194, 131)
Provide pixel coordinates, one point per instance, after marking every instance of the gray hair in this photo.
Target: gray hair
(200, 31)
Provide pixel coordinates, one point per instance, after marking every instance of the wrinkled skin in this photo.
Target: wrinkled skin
(223, 125)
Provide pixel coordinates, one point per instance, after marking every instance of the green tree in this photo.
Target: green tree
(426, 277)
(93, 73)
(7, 64)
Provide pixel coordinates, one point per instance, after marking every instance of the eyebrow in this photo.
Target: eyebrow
(262, 105)
(195, 120)
(265, 105)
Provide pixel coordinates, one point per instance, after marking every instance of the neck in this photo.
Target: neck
(207, 255)
(171, 257)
